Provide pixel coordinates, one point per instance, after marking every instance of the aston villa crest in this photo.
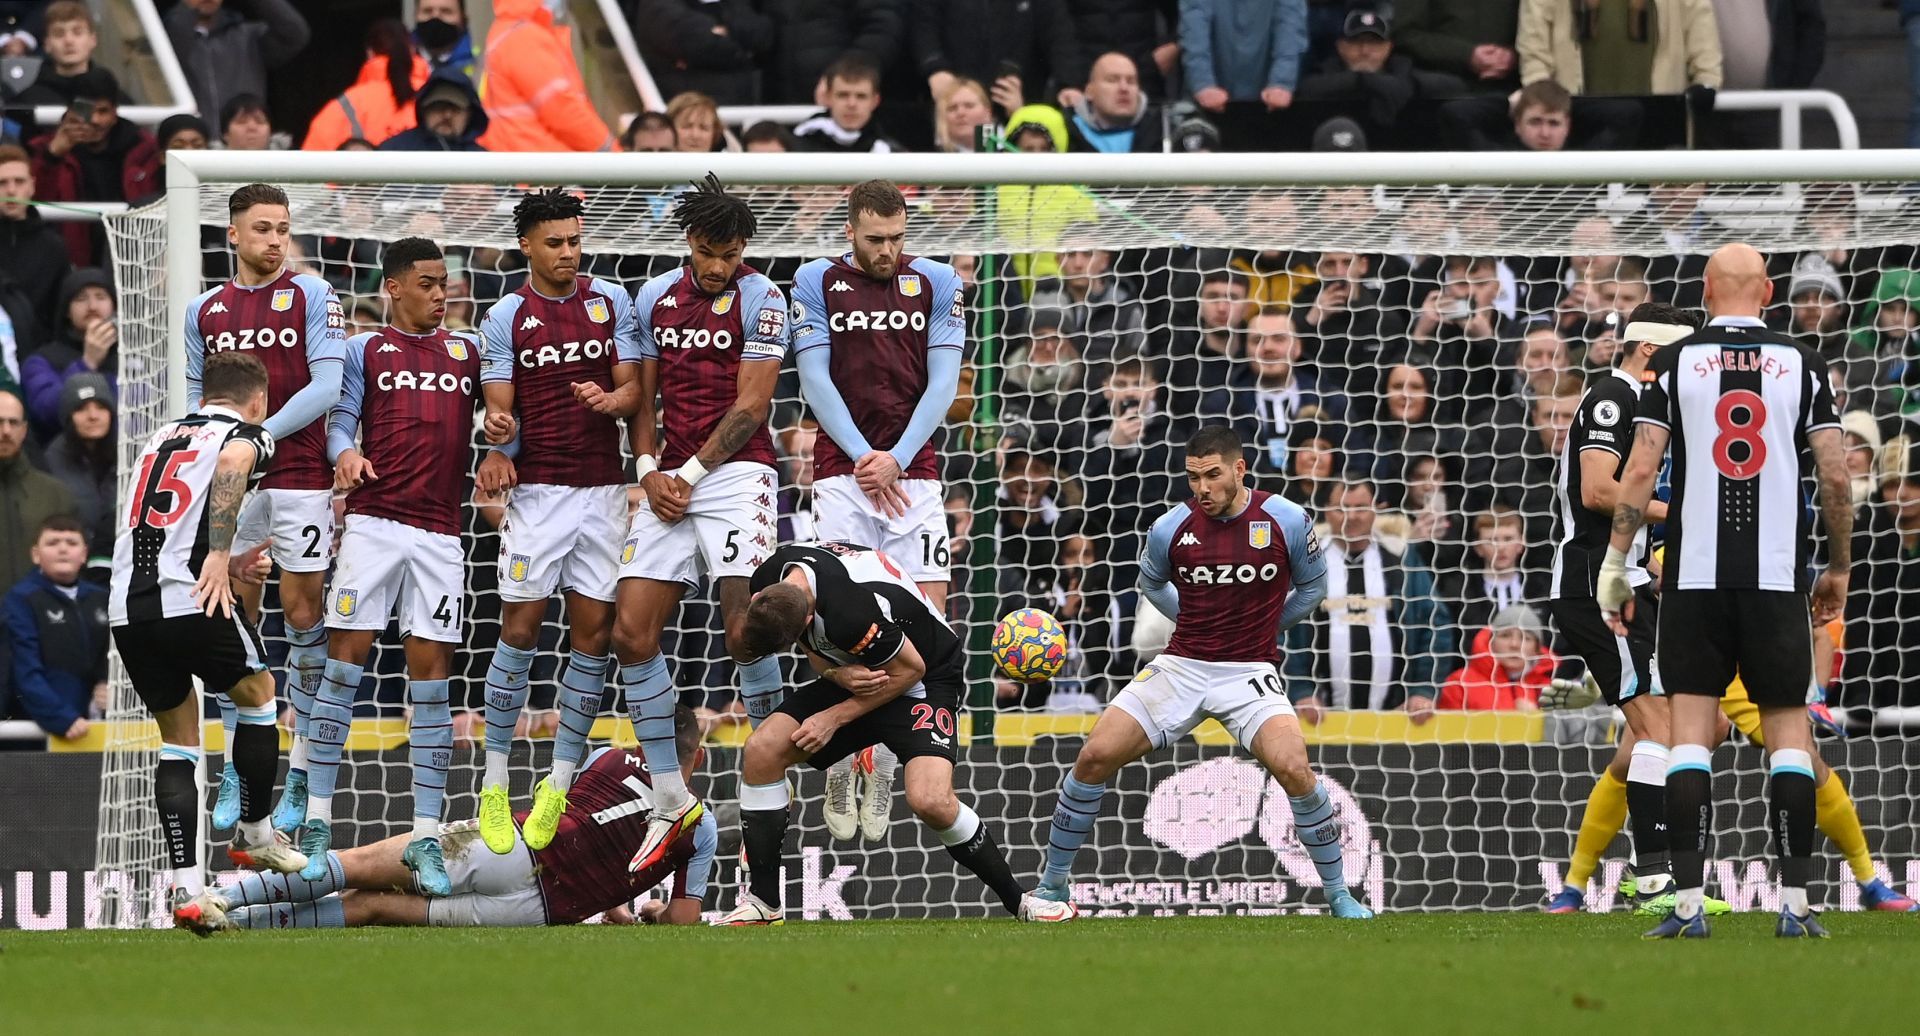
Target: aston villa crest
(517, 568)
(910, 285)
(723, 303)
(457, 347)
(1259, 535)
(597, 310)
(282, 300)
(345, 601)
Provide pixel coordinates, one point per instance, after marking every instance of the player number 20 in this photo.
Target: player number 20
(1740, 415)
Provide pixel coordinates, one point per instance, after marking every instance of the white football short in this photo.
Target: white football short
(386, 564)
(300, 522)
(731, 526)
(562, 538)
(489, 891)
(1172, 695)
(916, 542)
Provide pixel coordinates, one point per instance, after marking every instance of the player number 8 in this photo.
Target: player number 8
(1751, 413)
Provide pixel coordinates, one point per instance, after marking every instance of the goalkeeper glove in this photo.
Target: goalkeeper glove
(1614, 590)
(1570, 694)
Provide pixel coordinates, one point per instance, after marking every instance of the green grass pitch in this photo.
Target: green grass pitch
(1510, 975)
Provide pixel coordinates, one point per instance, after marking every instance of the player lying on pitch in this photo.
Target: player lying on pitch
(582, 872)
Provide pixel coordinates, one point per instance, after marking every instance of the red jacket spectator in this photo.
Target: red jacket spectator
(98, 158)
(1506, 673)
(532, 87)
(378, 105)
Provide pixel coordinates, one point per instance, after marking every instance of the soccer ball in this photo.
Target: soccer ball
(1029, 645)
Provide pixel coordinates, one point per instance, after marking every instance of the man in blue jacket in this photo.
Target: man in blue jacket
(58, 625)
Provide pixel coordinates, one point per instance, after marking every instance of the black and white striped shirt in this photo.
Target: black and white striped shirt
(1740, 402)
(163, 535)
(1603, 422)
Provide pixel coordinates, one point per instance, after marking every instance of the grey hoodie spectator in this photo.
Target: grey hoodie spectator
(82, 458)
(226, 48)
(1112, 114)
(1242, 50)
(449, 118)
(705, 46)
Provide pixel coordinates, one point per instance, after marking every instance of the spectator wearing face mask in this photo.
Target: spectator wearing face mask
(441, 36)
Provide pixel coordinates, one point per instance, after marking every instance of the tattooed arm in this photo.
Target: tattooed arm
(1636, 483)
(751, 406)
(214, 591)
(1836, 513)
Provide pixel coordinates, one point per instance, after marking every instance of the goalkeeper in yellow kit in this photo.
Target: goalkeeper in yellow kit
(1606, 810)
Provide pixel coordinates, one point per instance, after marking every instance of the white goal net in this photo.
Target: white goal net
(1425, 338)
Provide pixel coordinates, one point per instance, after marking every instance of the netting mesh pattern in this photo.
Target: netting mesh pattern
(1430, 339)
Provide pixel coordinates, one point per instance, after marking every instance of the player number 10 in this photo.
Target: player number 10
(1264, 684)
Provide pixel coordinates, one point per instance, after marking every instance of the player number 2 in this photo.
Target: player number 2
(933, 549)
(312, 533)
(1740, 415)
(1264, 684)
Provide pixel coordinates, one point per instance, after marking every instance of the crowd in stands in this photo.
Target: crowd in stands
(1414, 398)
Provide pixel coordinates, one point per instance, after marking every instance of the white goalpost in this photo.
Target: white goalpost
(1117, 303)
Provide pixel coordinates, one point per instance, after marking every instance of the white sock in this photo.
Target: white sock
(426, 827)
(884, 765)
(1689, 902)
(257, 832)
(1795, 900)
(191, 879)
(562, 776)
(670, 792)
(297, 756)
(320, 807)
(496, 770)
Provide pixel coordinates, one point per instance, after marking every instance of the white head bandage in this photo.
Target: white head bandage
(1656, 333)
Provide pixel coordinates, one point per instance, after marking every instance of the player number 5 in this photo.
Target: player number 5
(733, 548)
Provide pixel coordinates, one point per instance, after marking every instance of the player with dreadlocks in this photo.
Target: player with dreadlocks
(712, 334)
(558, 353)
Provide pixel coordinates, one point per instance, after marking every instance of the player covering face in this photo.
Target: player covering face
(1233, 569)
(711, 338)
